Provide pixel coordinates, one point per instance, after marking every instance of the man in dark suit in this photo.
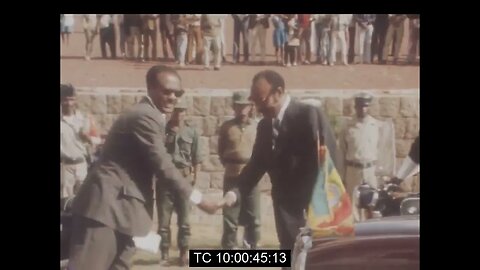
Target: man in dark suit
(286, 148)
(115, 202)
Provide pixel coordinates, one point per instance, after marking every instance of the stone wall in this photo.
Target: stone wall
(208, 109)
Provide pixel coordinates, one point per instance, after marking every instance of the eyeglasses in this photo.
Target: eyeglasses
(177, 93)
(258, 100)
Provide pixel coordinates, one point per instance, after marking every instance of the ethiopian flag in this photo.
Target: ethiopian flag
(330, 209)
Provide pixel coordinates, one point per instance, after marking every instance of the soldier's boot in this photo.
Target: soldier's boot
(164, 257)
(184, 257)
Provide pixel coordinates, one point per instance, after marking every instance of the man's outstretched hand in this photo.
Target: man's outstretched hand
(228, 200)
(208, 206)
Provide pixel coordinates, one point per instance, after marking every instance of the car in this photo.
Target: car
(377, 244)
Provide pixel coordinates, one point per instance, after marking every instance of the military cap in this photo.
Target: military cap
(363, 99)
(241, 98)
(67, 90)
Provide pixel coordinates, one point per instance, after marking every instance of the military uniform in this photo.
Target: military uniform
(361, 142)
(235, 147)
(182, 145)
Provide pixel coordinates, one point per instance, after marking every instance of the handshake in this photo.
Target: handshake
(211, 207)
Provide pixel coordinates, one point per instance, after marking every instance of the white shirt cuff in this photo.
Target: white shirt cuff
(233, 194)
(196, 196)
(407, 169)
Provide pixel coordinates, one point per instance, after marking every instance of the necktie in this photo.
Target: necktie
(276, 129)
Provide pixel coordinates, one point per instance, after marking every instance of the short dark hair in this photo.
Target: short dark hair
(152, 73)
(66, 90)
(272, 77)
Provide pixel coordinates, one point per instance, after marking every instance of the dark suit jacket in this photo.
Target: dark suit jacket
(414, 153)
(293, 165)
(118, 191)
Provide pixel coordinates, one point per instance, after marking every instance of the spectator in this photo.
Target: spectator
(167, 30)
(194, 36)
(134, 24)
(150, 35)
(304, 52)
(211, 27)
(222, 36)
(363, 38)
(380, 27)
(181, 28)
(323, 28)
(396, 27)
(107, 35)
(66, 27)
(240, 28)
(293, 41)
(90, 28)
(351, 34)
(123, 33)
(258, 32)
(414, 37)
(279, 37)
(339, 33)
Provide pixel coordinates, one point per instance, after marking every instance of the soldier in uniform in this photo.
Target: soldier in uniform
(366, 147)
(235, 145)
(182, 144)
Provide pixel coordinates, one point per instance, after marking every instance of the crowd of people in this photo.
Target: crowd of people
(200, 38)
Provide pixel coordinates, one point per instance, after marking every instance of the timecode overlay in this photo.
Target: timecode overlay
(239, 258)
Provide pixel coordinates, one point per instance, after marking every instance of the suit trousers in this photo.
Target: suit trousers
(150, 38)
(363, 44)
(240, 29)
(304, 52)
(89, 37)
(94, 246)
(107, 36)
(195, 35)
(135, 34)
(393, 30)
(258, 34)
(338, 36)
(215, 42)
(414, 41)
(289, 218)
(168, 38)
(378, 42)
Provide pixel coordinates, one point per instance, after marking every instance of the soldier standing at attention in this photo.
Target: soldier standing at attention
(235, 145)
(366, 147)
(182, 144)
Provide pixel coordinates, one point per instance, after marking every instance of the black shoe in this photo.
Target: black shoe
(216, 68)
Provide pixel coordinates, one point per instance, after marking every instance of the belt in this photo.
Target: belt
(361, 165)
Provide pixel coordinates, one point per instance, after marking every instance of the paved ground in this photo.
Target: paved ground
(121, 73)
